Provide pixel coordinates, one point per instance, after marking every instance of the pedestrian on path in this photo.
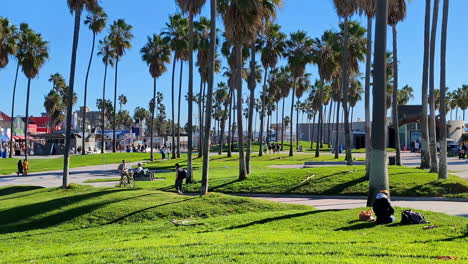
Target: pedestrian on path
(20, 168)
(25, 167)
(181, 174)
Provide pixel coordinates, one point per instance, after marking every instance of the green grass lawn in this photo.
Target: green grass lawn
(110, 225)
(336, 180)
(286, 147)
(8, 166)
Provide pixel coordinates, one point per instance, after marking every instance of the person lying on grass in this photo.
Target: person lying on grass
(383, 209)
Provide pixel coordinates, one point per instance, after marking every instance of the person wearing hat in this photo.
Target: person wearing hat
(383, 209)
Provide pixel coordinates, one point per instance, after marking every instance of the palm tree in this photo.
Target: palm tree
(53, 105)
(368, 8)
(272, 48)
(299, 53)
(221, 98)
(242, 22)
(32, 54)
(8, 45)
(76, 7)
(120, 39)
(254, 77)
(211, 70)
(108, 58)
(302, 85)
(345, 9)
(192, 7)
(378, 176)
(176, 33)
(404, 95)
(355, 91)
(122, 101)
(432, 126)
(396, 13)
(156, 53)
(443, 115)
(425, 150)
(96, 22)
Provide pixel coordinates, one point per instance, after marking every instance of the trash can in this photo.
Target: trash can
(340, 149)
(392, 160)
(300, 148)
(17, 152)
(4, 154)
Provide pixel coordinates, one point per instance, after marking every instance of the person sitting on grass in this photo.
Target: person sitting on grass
(181, 174)
(383, 209)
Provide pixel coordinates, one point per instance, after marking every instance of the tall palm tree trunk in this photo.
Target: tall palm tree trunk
(367, 94)
(282, 126)
(352, 113)
(178, 109)
(152, 120)
(291, 146)
(337, 128)
(200, 120)
(425, 151)
(262, 113)
(173, 149)
(83, 150)
(396, 125)
(103, 110)
(432, 125)
(330, 113)
(238, 81)
(229, 139)
(66, 157)
(26, 140)
(320, 120)
(311, 135)
(190, 103)
(349, 160)
(378, 176)
(276, 128)
(251, 84)
(297, 126)
(324, 114)
(114, 139)
(13, 110)
(268, 129)
(443, 123)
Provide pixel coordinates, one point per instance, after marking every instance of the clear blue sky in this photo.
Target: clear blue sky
(53, 20)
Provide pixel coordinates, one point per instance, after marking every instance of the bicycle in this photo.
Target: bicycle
(127, 180)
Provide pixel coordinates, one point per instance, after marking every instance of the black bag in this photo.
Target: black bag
(183, 174)
(409, 217)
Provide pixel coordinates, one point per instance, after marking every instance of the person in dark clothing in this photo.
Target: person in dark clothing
(181, 174)
(20, 168)
(383, 209)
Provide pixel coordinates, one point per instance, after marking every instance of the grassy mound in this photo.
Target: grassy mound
(335, 180)
(106, 225)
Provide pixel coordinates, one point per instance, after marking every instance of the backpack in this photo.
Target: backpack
(183, 174)
(409, 217)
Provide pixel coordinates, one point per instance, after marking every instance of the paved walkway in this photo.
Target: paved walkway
(441, 205)
(77, 175)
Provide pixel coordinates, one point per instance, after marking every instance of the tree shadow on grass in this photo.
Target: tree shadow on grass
(283, 217)
(339, 188)
(360, 226)
(16, 189)
(60, 217)
(19, 213)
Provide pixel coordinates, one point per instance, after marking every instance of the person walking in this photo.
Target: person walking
(181, 174)
(20, 168)
(25, 167)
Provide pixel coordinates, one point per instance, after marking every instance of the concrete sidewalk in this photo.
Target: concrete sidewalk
(457, 207)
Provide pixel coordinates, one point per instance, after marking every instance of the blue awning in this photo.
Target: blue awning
(4, 138)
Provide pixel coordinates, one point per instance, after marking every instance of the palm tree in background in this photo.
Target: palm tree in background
(345, 9)
(176, 33)
(221, 98)
(303, 84)
(355, 92)
(272, 46)
(76, 7)
(120, 38)
(396, 14)
(32, 54)
(96, 22)
(405, 94)
(242, 22)
(156, 53)
(443, 115)
(367, 7)
(122, 101)
(108, 58)
(299, 52)
(193, 8)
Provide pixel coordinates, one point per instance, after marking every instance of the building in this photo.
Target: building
(93, 119)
